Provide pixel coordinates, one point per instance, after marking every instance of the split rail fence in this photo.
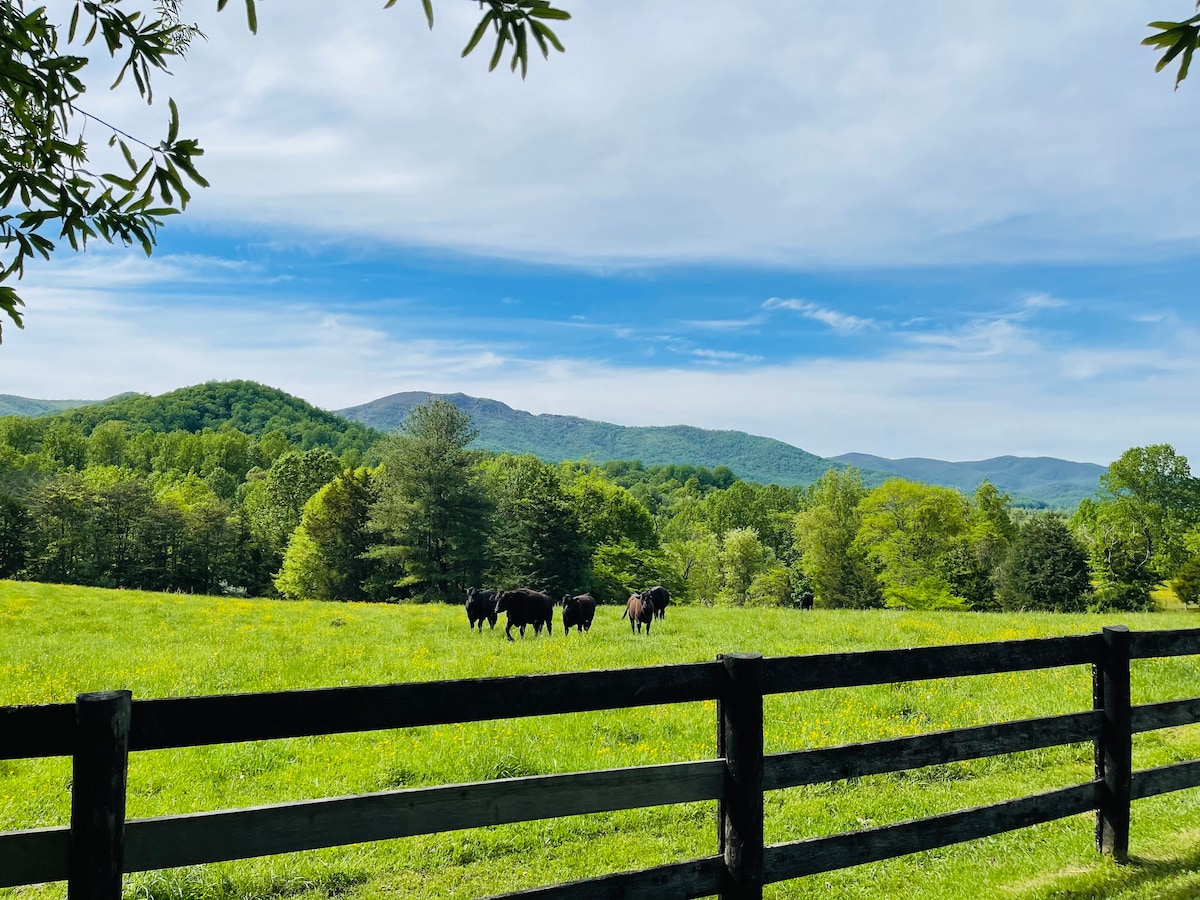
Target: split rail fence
(99, 730)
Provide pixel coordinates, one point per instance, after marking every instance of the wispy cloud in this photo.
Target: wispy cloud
(727, 324)
(1042, 301)
(726, 356)
(994, 337)
(842, 323)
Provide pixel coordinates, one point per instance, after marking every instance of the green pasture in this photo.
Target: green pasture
(56, 641)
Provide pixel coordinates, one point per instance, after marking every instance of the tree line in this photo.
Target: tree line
(420, 515)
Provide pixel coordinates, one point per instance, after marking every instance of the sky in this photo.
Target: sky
(928, 229)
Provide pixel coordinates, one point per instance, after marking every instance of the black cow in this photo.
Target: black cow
(806, 600)
(526, 607)
(659, 597)
(578, 612)
(481, 605)
(639, 609)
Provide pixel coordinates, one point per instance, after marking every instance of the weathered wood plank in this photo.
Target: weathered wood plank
(742, 804)
(1177, 642)
(800, 767)
(1164, 779)
(832, 670)
(27, 732)
(34, 856)
(840, 851)
(98, 774)
(1172, 713)
(261, 831)
(1115, 750)
(694, 878)
(193, 721)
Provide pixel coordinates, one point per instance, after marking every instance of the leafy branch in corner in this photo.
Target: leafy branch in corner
(1178, 40)
(45, 183)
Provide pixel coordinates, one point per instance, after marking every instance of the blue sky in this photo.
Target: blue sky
(852, 230)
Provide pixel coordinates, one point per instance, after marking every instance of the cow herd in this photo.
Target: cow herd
(526, 607)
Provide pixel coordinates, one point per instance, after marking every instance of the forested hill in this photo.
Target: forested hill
(247, 406)
(11, 405)
(555, 438)
(1056, 482)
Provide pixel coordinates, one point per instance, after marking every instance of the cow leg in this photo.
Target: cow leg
(508, 630)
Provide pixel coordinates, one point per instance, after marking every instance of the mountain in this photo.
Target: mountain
(256, 409)
(1057, 483)
(252, 408)
(555, 438)
(11, 405)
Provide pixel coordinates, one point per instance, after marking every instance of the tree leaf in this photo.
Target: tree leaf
(479, 31)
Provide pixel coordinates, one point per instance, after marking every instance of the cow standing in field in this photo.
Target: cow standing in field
(481, 605)
(659, 597)
(526, 607)
(806, 600)
(639, 610)
(578, 612)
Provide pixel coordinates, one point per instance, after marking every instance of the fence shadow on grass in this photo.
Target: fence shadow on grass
(1159, 877)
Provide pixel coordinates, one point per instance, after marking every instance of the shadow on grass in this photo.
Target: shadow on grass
(1176, 878)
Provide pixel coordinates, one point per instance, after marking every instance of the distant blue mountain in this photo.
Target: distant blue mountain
(1057, 483)
(1038, 481)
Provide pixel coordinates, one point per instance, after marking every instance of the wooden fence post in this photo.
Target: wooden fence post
(1114, 750)
(741, 810)
(98, 795)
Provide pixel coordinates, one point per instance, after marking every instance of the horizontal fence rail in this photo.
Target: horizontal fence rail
(792, 674)
(802, 767)
(840, 851)
(284, 828)
(736, 779)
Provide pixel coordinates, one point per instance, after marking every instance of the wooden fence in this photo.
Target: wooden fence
(99, 730)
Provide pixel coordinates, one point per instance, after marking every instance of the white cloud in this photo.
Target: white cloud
(985, 392)
(1042, 301)
(726, 356)
(802, 134)
(842, 323)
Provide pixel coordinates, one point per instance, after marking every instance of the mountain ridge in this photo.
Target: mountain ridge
(1032, 481)
(249, 406)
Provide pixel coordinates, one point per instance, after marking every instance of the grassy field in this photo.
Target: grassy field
(57, 641)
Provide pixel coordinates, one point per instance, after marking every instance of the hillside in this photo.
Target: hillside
(1058, 483)
(256, 409)
(555, 438)
(11, 405)
(247, 406)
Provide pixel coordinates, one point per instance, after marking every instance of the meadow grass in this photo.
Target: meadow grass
(56, 641)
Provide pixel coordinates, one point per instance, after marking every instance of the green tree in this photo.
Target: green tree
(536, 538)
(1046, 569)
(743, 558)
(276, 503)
(617, 570)
(697, 562)
(431, 516)
(1135, 530)
(973, 563)
(51, 185)
(834, 564)
(325, 557)
(1186, 582)
(909, 530)
(609, 514)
